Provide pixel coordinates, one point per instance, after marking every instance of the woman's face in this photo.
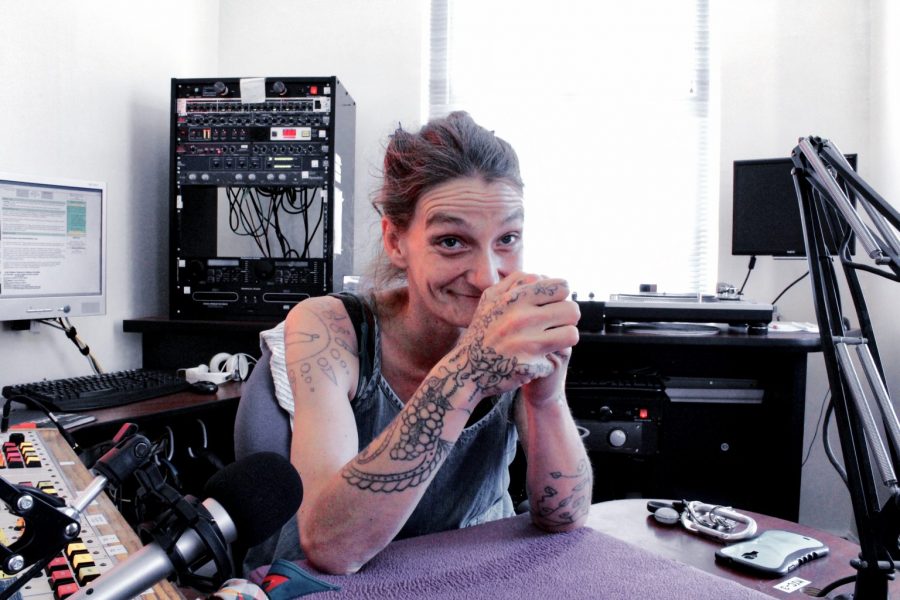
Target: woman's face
(465, 236)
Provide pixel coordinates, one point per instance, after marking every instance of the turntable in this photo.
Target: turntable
(622, 310)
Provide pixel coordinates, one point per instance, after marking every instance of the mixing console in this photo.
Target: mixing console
(39, 458)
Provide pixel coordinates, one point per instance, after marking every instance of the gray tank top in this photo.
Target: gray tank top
(471, 487)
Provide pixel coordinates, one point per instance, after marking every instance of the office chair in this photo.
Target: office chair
(260, 424)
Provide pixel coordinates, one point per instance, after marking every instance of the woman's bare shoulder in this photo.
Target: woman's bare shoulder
(316, 309)
(320, 343)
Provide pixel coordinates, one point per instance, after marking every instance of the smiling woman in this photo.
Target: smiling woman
(407, 402)
(466, 235)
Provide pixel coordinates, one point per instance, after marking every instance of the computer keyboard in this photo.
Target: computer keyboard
(106, 390)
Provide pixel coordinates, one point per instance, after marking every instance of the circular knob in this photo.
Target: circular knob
(605, 413)
(264, 269)
(205, 177)
(617, 438)
(252, 176)
(279, 88)
(197, 269)
(220, 88)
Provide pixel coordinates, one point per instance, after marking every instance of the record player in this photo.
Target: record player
(622, 310)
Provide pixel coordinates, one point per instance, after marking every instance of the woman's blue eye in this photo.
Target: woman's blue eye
(509, 238)
(449, 243)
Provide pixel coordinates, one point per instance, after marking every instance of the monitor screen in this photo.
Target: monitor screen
(766, 218)
(52, 248)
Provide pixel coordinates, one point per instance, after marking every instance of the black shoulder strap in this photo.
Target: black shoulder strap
(364, 325)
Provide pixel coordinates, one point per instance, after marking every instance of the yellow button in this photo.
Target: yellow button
(86, 574)
(75, 547)
(81, 560)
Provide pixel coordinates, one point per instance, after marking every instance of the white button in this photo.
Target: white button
(617, 438)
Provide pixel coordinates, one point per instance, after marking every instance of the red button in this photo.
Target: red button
(642, 413)
(61, 577)
(313, 89)
(57, 563)
(65, 590)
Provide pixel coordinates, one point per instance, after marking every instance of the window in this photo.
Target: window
(608, 106)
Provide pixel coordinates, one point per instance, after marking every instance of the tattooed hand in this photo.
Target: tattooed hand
(523, 330)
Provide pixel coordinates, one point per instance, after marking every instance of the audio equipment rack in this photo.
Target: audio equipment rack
(40, 458)
(261, 194)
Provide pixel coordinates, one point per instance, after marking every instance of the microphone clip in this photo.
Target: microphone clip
(184, 513)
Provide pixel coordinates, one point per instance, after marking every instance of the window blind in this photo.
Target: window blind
(609, 107)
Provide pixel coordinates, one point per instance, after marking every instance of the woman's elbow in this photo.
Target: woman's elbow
(326, 559)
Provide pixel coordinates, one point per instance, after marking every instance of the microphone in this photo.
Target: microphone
(251, 499)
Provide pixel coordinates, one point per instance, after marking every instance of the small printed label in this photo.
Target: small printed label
(66, 463)
(97, 520)
(116, 550)
(789, 585)
(109, 540)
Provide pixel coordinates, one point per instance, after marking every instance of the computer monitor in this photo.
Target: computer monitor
(766, 217)
(52, 248)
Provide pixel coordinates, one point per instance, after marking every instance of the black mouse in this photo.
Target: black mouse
(204, 387)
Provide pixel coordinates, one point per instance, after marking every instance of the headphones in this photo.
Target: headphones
(222, 367)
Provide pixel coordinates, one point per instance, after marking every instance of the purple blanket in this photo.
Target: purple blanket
(513, 559)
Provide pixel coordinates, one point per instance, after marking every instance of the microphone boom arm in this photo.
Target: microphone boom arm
(826, 186)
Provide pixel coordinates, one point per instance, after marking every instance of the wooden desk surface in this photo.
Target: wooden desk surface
(171, 405)
(630, 521)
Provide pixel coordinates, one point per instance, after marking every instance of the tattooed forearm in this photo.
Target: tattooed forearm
(416, 434)
(566, 501)
(397, 482)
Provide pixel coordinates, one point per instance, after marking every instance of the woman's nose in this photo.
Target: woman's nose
(485, 272)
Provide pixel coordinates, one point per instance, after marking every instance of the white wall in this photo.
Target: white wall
(85, 95)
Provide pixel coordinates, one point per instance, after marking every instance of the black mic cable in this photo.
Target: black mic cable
(7, 406)
(790, 285)
(750, 266)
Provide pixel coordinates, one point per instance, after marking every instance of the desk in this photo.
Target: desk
(718, 451)
(165, 408)
(622, 553)
(628, 520)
